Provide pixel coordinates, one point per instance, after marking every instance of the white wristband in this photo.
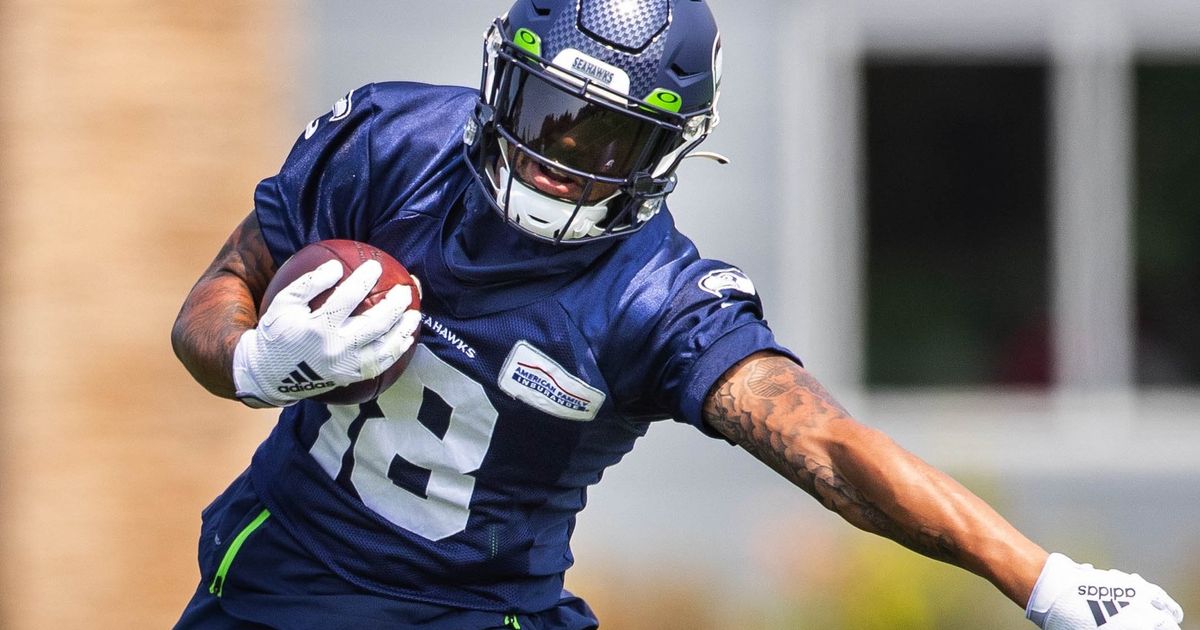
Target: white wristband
(1050, 584)
(247, 390)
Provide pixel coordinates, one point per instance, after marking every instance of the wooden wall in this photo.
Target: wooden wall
(132, 133)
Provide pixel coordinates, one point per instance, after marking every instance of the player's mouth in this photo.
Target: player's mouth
(552, 181)
(556, 183)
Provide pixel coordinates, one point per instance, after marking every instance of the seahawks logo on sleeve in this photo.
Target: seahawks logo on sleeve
(730, 279)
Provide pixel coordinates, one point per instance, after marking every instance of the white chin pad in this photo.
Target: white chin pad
(543, 215)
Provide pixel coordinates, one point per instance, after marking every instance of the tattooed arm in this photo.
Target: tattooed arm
(776, 410)
(221, 306)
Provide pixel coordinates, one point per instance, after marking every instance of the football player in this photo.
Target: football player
(562, 314)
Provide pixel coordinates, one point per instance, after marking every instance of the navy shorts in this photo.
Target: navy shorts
(270, 581)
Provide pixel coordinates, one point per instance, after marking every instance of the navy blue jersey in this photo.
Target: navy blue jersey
(538, 365)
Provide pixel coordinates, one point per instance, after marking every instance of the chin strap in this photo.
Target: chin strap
(546, 216)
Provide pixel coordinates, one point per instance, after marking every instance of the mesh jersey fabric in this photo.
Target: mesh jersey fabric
(538, 366)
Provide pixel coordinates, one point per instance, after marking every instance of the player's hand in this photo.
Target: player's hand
(296, 352)
(1070, 596)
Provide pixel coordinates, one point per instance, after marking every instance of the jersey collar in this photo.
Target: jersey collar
(494, 267)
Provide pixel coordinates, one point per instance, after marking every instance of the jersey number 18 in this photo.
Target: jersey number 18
(444, 509)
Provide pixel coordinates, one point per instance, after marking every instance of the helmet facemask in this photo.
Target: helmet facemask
(566, 157)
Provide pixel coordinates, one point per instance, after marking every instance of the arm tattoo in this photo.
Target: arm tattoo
(221, 306)
(741, 408)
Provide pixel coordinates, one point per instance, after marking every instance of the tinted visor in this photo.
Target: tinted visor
(599, 139)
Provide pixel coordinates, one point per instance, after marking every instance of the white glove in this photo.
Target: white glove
(1071, 596)
(296, 352)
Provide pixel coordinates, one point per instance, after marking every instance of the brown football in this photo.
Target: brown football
(351, 254)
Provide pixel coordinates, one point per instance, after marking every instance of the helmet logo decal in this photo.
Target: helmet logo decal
(528, 41)
(588, 67)
(585, 67)
(665, 99)
(731, 279)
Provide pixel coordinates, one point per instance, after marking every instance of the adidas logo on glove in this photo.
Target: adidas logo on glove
(303, 379)
(1104, 592)
(1106, 601)
(1072, 596)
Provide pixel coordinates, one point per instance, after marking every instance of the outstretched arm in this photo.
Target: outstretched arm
(222, 306)
(776, 410)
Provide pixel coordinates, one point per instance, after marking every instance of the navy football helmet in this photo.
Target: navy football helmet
(586, 109)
